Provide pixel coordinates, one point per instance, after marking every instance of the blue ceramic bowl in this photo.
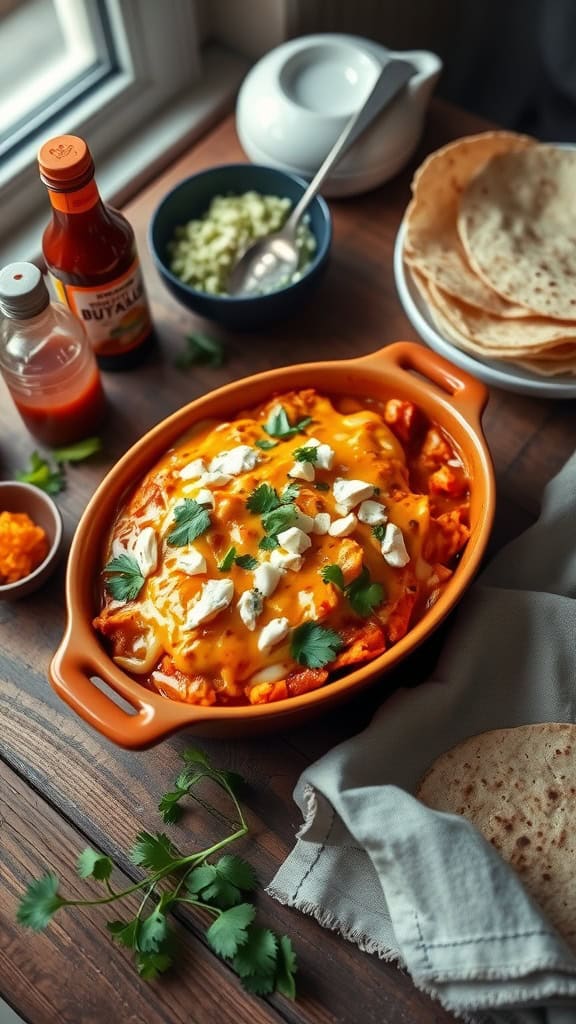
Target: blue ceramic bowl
(190, 200)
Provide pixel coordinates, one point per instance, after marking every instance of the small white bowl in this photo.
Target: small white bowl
(21, 497)
(294, 103)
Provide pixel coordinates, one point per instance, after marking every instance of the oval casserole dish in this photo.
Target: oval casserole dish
(405, 370)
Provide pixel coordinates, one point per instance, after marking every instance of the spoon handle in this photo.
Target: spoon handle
(392, 78)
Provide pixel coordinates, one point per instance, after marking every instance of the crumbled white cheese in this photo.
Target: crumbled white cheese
(146, 550)
(266, 578)
(349, 493)
(393, 547)
(321, 522)
(271, 673)
(235, 461)
(343, 527)
(250, 606)
(324, 453)
(302, 471)
(294, 540)
(205, 497)
(304, 522)
(193, 470)
(215, 479)
(191, 561)
(118, 548)
(372, 512)
(286, 560)
(273, 633)
(214, 597)
(307, 604)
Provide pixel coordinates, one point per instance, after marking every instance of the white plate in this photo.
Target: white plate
(512, 378)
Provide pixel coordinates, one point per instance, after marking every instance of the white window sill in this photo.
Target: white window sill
(148, 152)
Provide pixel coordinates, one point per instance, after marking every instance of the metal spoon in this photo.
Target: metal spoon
(270, 262)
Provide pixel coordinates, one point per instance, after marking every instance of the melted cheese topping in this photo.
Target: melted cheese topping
(218, 635)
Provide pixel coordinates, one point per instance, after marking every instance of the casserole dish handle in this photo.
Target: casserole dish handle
(151, 719)
(464, 392)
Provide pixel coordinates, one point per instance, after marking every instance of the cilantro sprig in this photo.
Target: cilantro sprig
(314, 645)
(277, 511)
(200, 349)
(363, 595)
(264, 961)
(51, 478)
(278, 424)
(231, 558)
(124, 579)
(191, 519)
(306, 454)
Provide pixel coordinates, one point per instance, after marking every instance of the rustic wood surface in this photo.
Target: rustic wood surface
(63, 787)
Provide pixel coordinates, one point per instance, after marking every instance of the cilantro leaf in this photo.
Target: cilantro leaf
(314, 645)
(258, 984)
(257, 956)
(289, 493)
(200, 878)
(200, 349)
(40, 901)
(280, 518)
(263, 499)
(379, 531)
(278, 424)
(192, 521)
(42, 475)
(169, 806)
(363, 595)
(229, 931)
(153, 851)
(153, 930)
(124, 577)
(237, 871)
(333, 574)
(246, 561)
(228, 560)
(193, 755)
(91, 864)
(285, 968)
(125, 932)
(268, 543)
(150, 965)
(265, 445)
(306, 454)
(77, 452)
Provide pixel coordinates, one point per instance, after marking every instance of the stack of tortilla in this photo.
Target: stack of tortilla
(518, 787)
(491, 245)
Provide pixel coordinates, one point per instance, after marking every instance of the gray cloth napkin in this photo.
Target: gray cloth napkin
(421, 887)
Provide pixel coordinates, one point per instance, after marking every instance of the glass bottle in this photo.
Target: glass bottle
(47, 361)
(90, 253)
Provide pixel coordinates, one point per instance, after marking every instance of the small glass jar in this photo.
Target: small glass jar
(47, 361)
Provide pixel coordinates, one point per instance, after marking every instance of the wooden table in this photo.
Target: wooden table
(63, 787)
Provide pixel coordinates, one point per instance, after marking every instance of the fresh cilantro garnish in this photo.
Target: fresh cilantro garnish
(263, 960)
(246, 561)
(124, 579)
(192, 520)
(379, 531)
(321, 485)
(263, 499)
(268, 543)
(278, 424)
(228, 561)
(289, 493)
(78, 452)
(314, 645)
(266, 445)
(306, 454)
(280, 518)
(41, 474)
(200, 349)
(363, 595)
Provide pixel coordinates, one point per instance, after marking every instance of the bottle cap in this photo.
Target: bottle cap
(65, 163)
(23, 291)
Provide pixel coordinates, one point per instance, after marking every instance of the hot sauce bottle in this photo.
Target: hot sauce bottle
(90, 253)
(47, 361)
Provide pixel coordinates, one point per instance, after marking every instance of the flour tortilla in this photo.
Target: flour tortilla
(517, 223)
(518, 787)
(432, 244)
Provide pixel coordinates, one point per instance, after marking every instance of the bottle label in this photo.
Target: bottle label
(115, 316)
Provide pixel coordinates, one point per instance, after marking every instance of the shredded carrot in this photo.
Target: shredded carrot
(23, 546)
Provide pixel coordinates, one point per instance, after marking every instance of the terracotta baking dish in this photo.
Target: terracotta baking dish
(405, 370)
